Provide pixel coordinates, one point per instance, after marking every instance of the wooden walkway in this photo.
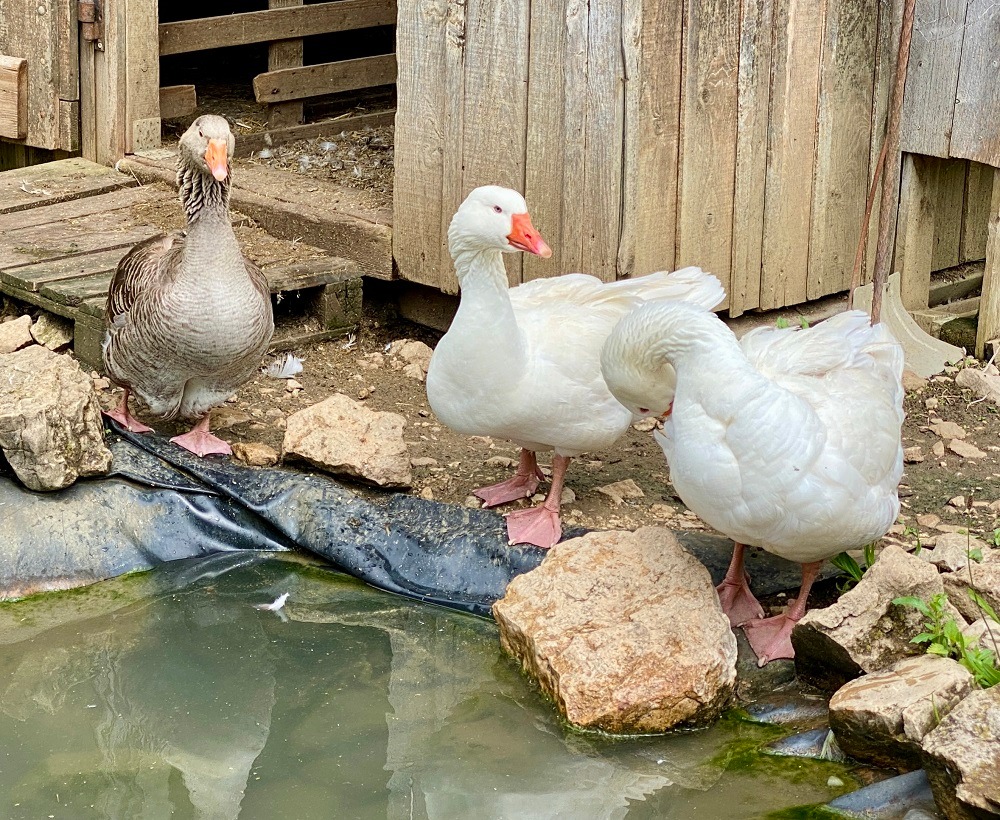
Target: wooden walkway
(65, 225)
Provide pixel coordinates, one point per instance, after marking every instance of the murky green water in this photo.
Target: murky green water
(169, 694)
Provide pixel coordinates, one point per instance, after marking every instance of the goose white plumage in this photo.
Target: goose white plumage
(788, 440)
(523, 363)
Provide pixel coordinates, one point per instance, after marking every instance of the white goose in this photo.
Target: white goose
(788, 440)
(523, 363)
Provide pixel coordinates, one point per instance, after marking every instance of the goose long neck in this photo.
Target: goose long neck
(210, 237)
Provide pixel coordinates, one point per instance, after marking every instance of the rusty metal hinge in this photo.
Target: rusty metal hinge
(89, 13)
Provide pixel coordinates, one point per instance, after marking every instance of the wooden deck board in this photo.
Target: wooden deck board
(57, 181)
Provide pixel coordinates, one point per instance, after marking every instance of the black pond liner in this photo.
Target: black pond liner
(161, 503)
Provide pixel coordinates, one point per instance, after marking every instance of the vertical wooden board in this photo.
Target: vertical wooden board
(948, 202)
(142, 61)
(419, 140)
(915, 230)
(284, 54)
(975, 212)
(890, 24)
(88, 101)
(544, 167)
(604, 138)
(795, 62)
(932, 77)
(29, 30)
(989, 304)
(707, 174)
(110, 80)
(753, 96)
(69, 124)
(494, 117)
(67, 52)
(13, 97)
(977, 108)
(847, 76)
(651, 35)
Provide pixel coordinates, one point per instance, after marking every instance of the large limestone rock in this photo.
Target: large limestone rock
(624, 631)
(864, 631)
(15, 334)
(984, 578)
(50, 420)
(52, 331)
(881, 717)
(346, 438)
(962, 758)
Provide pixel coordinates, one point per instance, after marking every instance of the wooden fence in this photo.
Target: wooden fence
(648, 135)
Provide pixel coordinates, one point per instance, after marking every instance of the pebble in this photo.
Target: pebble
(427, 494)
(958, 502)
(423, 461)
(620, 490)
(938, 449)
(931, 404)
(928, 520)
(913, 455)
(948, 429)
(965, 449)
(499, 461)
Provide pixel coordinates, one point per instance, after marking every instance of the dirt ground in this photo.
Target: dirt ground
(448, 466)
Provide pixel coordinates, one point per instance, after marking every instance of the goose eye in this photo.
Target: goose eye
(644, 410)
(497, 209)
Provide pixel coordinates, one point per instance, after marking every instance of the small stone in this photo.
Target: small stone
(427, 494)
(51, 331)
(661, 510)
(415, 371)
(913, 455)
(951, 551)
(928, 520)
(965, 449)
(911, 381)
(222, 418)
(423, 461)
(931, 403)
(499, 461)
(101, 383)
(292, 385)
(364, 393)
(255, 454)
(15, 334)
(958, 502)
(938, 449)
(472, 502)
(621, 490)
(568, 496)
(948, 429)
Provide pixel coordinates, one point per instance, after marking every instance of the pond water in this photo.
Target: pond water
(168, 694)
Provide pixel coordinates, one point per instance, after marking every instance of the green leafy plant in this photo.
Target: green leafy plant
(851, 568)
(781, 323)
(943, 637)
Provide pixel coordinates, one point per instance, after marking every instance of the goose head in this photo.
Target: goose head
(495, 218)
(208, 145)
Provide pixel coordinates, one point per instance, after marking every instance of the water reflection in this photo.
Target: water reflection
(169, 694)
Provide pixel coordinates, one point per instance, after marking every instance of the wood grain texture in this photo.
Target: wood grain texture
(989, 304)
(13, 97)
(948, 206)
(142, 76)
(177, 101)
(652, 37)
(976, 135)
(847, 76)
(58, 181)
(707, 174)
(795, 61)
(276, 23)
(325, 78)
(915, 230)
(283, 54)
(88, 100)
(976, 212)
(932, 77)
(250, 143)
(111, 86)
(753, 97)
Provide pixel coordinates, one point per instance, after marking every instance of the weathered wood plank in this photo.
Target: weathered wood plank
(948, 204)
(652, 65)
(88, 99)
(37, 275)
(989, 306)
(310, 273)
(915, 231)
(57, 181)
(324, 78)
(284, 54)
(274, 24)
(975, 134)
(753, 96)
(707, 175)
(72, 292)
(251, 143)
(847, 76)
(13, 97)
(932, 77)
(795, 66)
(111, 82)
(976, 212)
(177, 101)
(142, 62)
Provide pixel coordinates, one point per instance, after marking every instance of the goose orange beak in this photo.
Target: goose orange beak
(217, 159)
(524, 237)
(666, 413)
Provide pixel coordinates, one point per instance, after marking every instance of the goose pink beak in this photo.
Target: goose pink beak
(217, 159)
(524, 237)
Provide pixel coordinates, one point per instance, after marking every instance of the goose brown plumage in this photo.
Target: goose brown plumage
(189, 316)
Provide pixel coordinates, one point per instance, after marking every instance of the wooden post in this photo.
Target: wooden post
(989, 303)
(284, 54)
(142, 62)
(915, 230)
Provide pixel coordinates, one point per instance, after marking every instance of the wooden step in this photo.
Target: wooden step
(58, 181)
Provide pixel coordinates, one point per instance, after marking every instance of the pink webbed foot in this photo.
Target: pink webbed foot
(771, 638)
(521, 485)
(126, 419)
(539, 526)
(738, 602)
(201, 442)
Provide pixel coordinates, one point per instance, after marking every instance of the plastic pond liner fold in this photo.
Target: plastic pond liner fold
(161, 503)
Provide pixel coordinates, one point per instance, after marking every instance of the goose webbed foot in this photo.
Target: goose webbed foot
(201, 442)
(737, 601)
(540, 525)
(771, 638)
(126, 419)
(521, 485)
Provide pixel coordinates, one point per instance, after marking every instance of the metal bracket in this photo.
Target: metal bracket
(91, 17)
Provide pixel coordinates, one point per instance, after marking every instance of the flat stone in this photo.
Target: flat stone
(965, 449)
(815, 744)
(50, 419)
(51, 331)
(15, 334)
(346, 438)
(951, 551)
(913, 455)
(887, 799)
(962, 757)
(223, 417)
(985, 580)
(624, 631)
(881, 717)
(911, 381)
(948, 429)
(255, 454)
(864, 631)
(983, 383)
(796, 709)
(621, 490)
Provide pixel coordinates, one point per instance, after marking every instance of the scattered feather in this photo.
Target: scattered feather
(326, 145)
(351, 342)
(285, 368)
(275, 605)
(265, 153)
(29, 189)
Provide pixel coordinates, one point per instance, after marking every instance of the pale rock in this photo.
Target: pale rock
(985, 579)
(913, 455)
(414, 356)
(364, 393)
(52, 331)
(222, 418)
(864, 631)
(620, 490)
(472, 502)
(959, 528)
(938, 449)
(568, 496)
(984, 383)
(101, 383)
(427, 494)
(50, 419)
(644, 425)
(499, 461)
(345, 438)
(881, 717)
(255, 454)
(371, 361)
(928, 520)
(15, 334)
(983, 633)
(958, 502)
(931, 403)
(423, 461)
(624, 631)
(662, 510)
(912, 381)
(291, 385)
(414, 371)
(965, 449)
(948, 429)
(962, 758)
(951, 551)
